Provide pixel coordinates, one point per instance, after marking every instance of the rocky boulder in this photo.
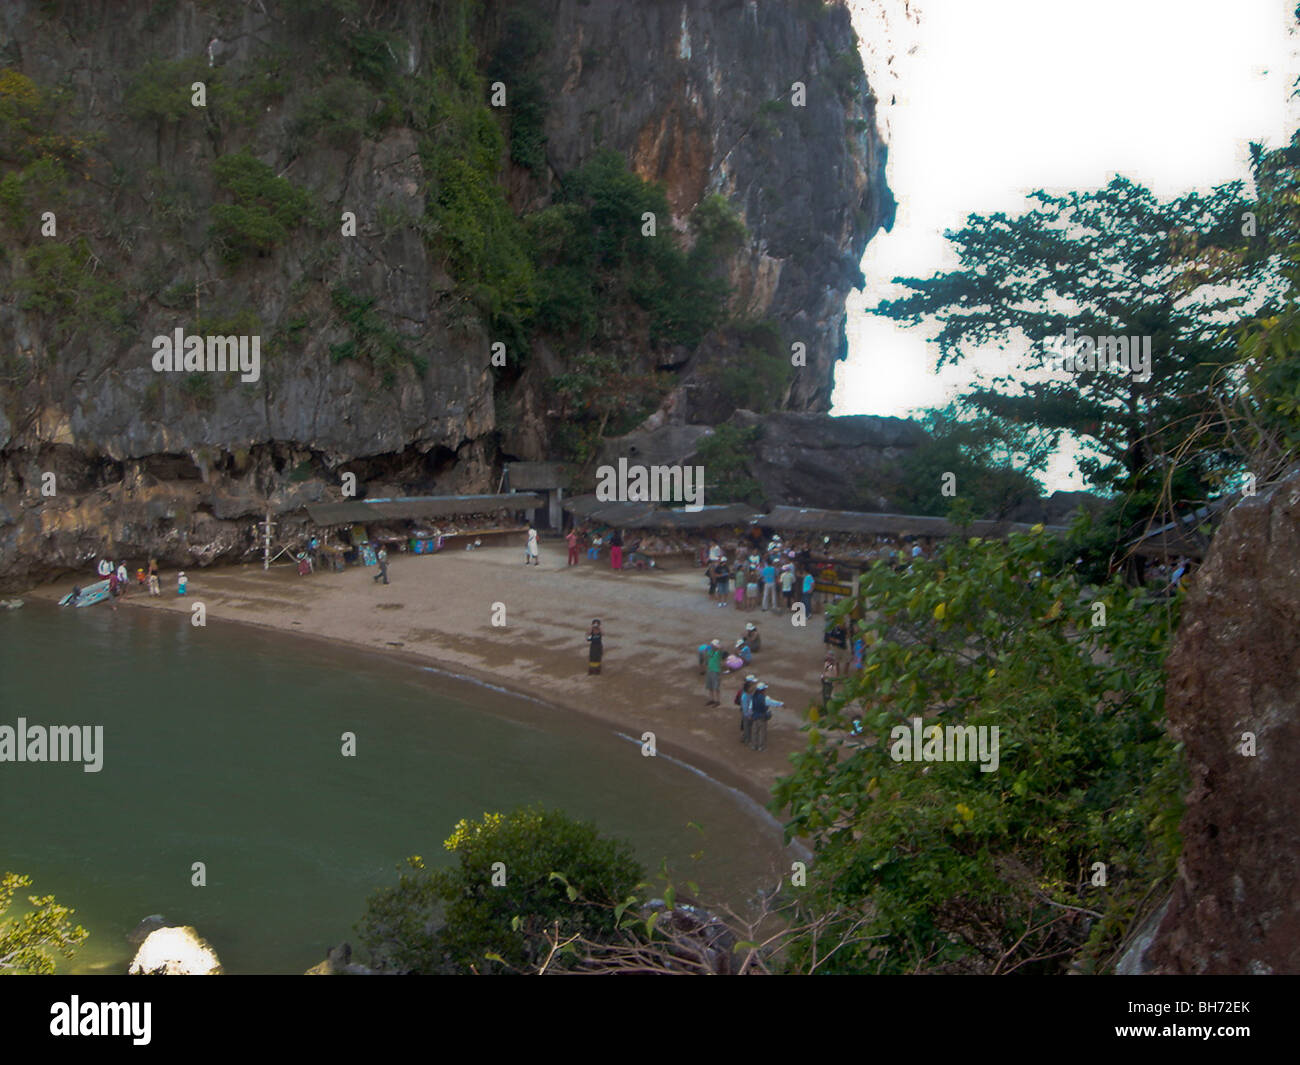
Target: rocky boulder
(175, 951)
(814, 460)
(1233, 698)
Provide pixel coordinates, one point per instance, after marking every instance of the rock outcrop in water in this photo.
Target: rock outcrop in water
(374, 347)
(175, 951)
(1233, 699)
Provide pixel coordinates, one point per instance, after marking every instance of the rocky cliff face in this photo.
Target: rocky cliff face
(232, 218)
(1233, 699)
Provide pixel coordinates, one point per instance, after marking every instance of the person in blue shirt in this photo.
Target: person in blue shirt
(769, 586)
(743, 652)
(745, 699)
(806, 597)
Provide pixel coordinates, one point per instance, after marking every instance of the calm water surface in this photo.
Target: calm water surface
(222, 745)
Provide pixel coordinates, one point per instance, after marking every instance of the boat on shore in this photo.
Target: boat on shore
(90, 595)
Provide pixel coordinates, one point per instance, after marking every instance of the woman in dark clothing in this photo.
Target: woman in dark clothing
(597, 650)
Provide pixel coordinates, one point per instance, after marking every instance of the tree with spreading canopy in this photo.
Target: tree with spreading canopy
(1105, 263)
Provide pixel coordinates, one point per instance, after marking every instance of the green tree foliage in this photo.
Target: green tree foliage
(515, 64)
(557, 869)
(37, 157)
(1107, 263)
(725, 454)
(265, 210)
(27, 943)
(601, 394)
(757, 375)
(60, 283)
(1262, 413)
(960, 870)
(592, 240)
(990, 458)
(372, 339)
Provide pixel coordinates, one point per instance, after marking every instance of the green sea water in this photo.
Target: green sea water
(222, 745)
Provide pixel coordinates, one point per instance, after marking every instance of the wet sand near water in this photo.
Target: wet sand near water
(438, 610)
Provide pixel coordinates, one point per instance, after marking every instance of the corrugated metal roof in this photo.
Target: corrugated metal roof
(409, 508)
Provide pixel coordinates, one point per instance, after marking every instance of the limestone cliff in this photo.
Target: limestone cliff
(1232, 700)
(200, 161)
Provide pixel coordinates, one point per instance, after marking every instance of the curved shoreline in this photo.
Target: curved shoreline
(659, 614)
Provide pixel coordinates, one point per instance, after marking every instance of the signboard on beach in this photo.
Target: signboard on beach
(831, 581)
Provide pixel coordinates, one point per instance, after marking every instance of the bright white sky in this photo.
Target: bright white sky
(1002, 97)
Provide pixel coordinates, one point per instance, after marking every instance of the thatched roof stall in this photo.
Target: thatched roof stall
(1189, 536)
(413, 508)
(855, 523)
(650, 516)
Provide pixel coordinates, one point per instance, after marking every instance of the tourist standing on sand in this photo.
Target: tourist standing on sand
(572, 540)
(382, 559)
(596, 648)
(616, 550)
(830, 673)
(153, 583)
(760, 708)
(182, 583)
(769, 586)
(806, 597)
(722, 579)
(787, 585)
(713, 674)
(745, 700)
(530, 548)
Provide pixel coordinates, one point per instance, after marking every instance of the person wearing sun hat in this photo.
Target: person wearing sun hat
(744, 699)
(713, 673)
(752, 638)
(760, 709)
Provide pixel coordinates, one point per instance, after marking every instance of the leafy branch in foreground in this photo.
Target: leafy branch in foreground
(26, 942)
(965, 870)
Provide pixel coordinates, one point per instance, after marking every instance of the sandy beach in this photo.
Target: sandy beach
(438, 610)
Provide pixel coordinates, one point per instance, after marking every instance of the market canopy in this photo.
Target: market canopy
(412, 508)
(1190, 535)
(648, 516)
(809, 519)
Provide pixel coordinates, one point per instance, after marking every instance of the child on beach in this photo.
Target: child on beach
(153, 584)
(182, 582)
(751, 589)
(596, 640)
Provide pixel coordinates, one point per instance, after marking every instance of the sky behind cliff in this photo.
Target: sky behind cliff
(1002, 97)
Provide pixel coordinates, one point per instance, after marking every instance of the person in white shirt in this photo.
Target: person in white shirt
(530, 552)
